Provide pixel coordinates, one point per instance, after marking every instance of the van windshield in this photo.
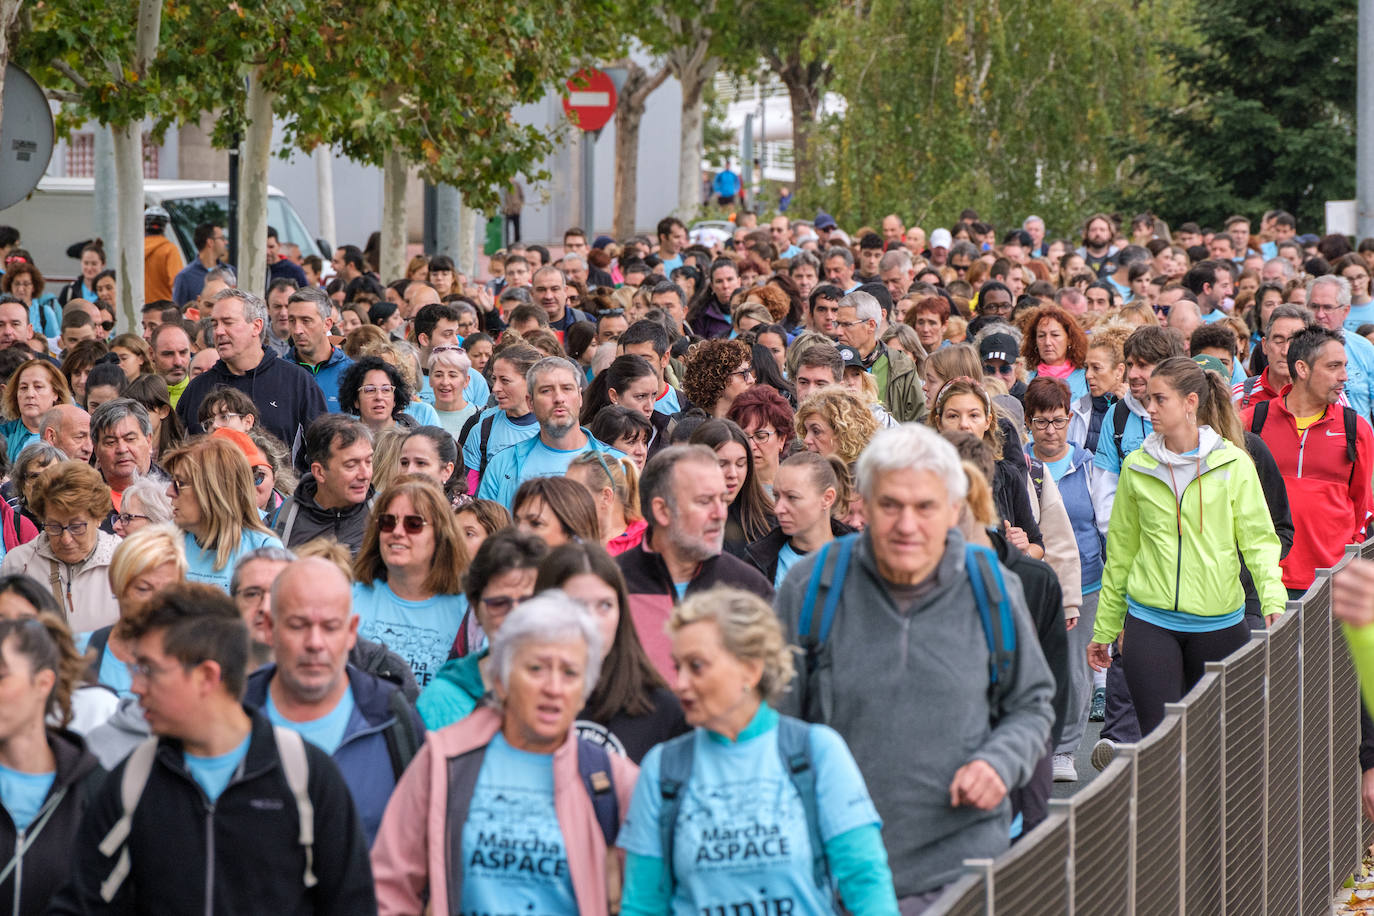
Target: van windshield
(189, 212)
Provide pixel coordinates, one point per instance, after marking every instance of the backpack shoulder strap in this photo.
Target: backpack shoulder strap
(482, 446)
(1037, 476)
(1350, 435)
(994, 611)
(594, 764)
(794, 746)
(674, 772)
(137, 769)
(402, 740)
(1120, 414)
(468, 424)
(830, 570)
(1247, 389)
(1258, 417)
(296, 766)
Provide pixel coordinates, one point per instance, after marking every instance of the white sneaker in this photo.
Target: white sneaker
(1064, 768)
(1103, 753)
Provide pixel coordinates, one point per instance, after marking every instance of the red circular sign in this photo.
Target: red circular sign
(590, 102)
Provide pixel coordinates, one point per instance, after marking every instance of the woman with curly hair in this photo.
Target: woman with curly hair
(833, 421)
(375, 392)
(718, 371)
(1055, 346)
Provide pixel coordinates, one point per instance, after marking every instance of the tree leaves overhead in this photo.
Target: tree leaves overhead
(438, 82)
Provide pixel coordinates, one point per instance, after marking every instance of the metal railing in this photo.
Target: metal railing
(1245, 799)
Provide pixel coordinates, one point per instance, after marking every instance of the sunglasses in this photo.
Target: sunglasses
(259, 477)
(610, 313)
(412, 524)
(107, 325)
(1004, 369)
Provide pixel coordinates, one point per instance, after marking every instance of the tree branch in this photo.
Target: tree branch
(79, 81)
(62, 95)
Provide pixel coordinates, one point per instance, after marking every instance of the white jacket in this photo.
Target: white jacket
(83, 589)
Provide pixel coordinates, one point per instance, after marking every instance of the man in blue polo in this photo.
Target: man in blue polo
(555, 398)
(310, 319)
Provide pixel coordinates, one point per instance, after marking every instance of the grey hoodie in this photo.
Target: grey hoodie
(121, 733)
(910, 696)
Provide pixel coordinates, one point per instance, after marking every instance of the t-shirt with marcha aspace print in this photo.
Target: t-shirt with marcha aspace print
(741, 838)
(421, 632)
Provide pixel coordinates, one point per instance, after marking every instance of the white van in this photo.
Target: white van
(60, 212)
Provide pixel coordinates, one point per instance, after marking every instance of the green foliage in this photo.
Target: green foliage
(1266, 117)
(1002, 105)
(435, 81)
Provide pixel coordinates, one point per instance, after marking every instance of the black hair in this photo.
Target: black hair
(329, 433)
(615, 421)
(1304, 345)
(352, 381)
(447, 450)
(619, 375)
(502, 552)
(646, 331)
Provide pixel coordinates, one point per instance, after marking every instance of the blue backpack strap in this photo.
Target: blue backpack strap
(994, 611)
(594, 764)
(813, 587)
(674, 772)
(835, 588)
(794, 746)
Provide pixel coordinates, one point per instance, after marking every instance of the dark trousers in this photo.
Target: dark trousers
(1118, 722)
(1032, 801)
(512, 229)
(1170, 663)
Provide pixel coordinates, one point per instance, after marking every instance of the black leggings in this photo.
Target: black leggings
(1162, 665)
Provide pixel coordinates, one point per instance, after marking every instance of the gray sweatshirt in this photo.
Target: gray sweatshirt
(909, 693)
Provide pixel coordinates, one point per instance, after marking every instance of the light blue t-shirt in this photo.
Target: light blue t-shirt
(201, 563)
(529, 459)
(326, 732)
(1061, 467)
(681, 589)
(1359, 315)
(114, 674)
(514, 858)
(505, 432)
(1359, 370)
(421, 632)
(1137, 428)
(453, 420)
(787, 558)
(214, 773)
(23, 794)
(668, 403)
(17, 435)
(741, 834)
(424, 414)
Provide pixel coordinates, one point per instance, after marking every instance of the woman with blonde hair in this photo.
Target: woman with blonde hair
(144, 562)
(215, 504)
(36, 387)
(135, 356)
(809, 491)
(614, 485)
(733, 663)
(408, 590)
(833, 421)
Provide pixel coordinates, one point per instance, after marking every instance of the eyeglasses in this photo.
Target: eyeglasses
(124, 518)
(176, 486)
(1163, 310)
(1004, 369)
(259, 477)
(761, 436)
(1043, 423)
(250, 595)
(448, 348)
(413, 524)
(224, 417)
(501, 604)
(151, 672)
(54, 530)
(960, 268)
(850, 324)
(746, 373)
(377, 389)
(610, 313)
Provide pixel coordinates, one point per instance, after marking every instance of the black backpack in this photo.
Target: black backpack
(485, 434)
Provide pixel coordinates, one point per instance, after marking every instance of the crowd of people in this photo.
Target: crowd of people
(773, 575)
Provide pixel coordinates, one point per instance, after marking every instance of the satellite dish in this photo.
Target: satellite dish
(26, 137)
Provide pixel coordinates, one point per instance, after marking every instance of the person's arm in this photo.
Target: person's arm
(646, 884)
(858, 862)
(400, 853)
(340, 854)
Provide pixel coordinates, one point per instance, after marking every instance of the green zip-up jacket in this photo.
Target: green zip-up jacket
(1179, 553)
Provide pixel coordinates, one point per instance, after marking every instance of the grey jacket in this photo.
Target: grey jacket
(909, 693)
(120, 734)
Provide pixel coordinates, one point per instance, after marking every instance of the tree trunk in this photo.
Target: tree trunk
(448, 229)
(804, 94)
(324, 188)
(257, 155)
(629, 114)
(393, 254)
(693, 78)
(469, 241)
(105, 222)
(9, 12)
(128, 259)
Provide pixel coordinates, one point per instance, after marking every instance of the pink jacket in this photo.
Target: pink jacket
(409, 853)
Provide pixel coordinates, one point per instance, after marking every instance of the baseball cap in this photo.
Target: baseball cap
(1212, 364)
(998, 346)
(244, 444)
(824, 220)
(941, 238)
(851, 358)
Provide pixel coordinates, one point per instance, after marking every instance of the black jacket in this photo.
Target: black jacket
(243, 851)
(44, 866)
(1276, 498)
(308, 520)
(285, 394)
(763, 553)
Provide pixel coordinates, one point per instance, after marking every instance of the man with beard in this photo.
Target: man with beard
(1097, 247)
(685, 501)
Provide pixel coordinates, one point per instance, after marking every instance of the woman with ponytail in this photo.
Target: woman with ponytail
(1188, 507)
(44, 768)
(810, 491)
(614, 485)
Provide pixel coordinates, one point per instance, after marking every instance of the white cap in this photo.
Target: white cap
(941, 238)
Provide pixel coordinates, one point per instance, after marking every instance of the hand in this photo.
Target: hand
(1070, 623)
(977, 785)
(1098, 656)
(1367, 793)
(1352, 593)
(1017, 537)
(1271, 619)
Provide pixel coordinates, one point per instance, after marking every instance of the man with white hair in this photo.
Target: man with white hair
(1035, 227)
(1277, 270)
(555, 398)
(1328, 298)
(896, 271)
(899, 384)
(883, 612)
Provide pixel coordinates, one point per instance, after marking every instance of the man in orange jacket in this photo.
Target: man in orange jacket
(161, 256)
